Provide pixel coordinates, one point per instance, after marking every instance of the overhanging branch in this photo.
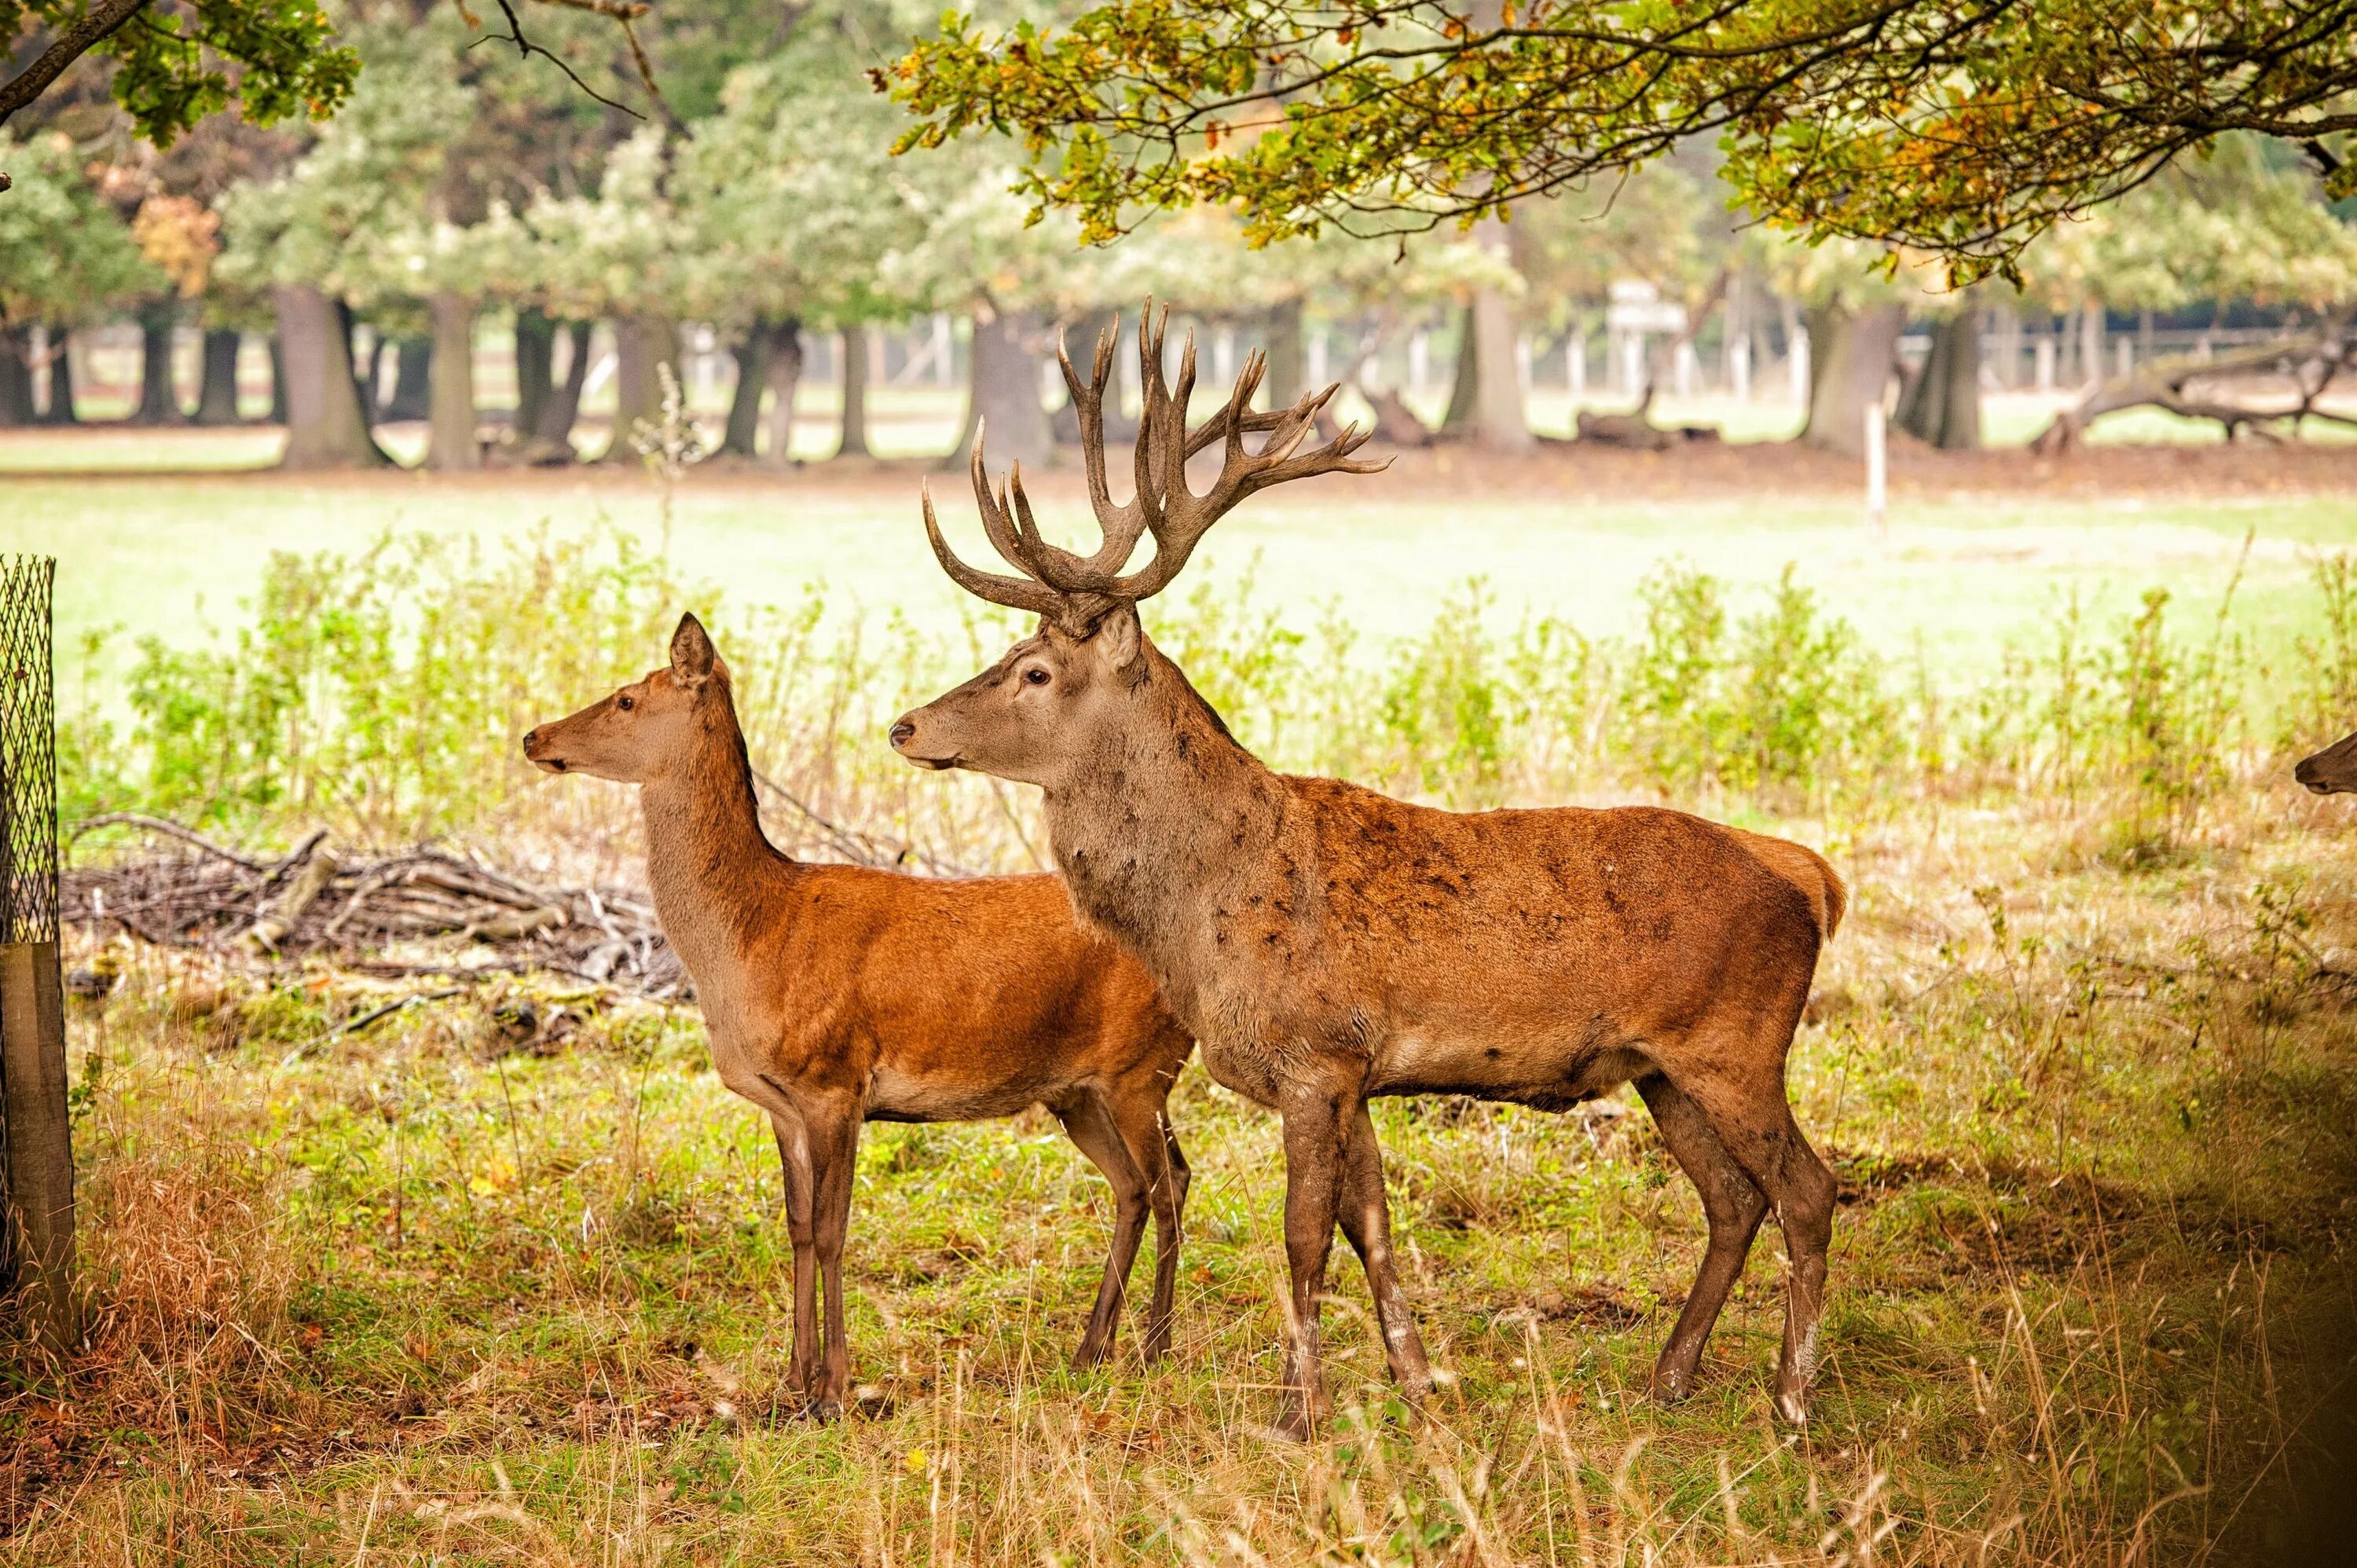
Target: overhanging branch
(94, 29)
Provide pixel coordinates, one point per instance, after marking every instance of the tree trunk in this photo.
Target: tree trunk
(158, 402)
(785, 381)
(535, 354)
(855, 392)
(640, 344)
(1004, 393)
(1485, 406)
(1943, 406)
(1289, 371)
(61, 409)
(550, 440)
(451, 443)
(324, 426)
(217, 395)
(15, 375)
(413, 371)
(1851, 354)
(743, 436)
(277, 382)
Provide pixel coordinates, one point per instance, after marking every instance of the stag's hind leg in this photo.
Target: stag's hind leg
(1747, 1111)
(1733, 1204)
(1366, 1218)
(1090, 1124)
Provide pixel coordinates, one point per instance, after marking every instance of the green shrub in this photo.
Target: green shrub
(383, 694)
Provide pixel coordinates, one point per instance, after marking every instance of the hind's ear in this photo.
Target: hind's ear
(692, 654)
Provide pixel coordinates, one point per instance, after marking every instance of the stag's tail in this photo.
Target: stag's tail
(1810, 872)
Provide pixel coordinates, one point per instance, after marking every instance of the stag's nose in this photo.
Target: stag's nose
(901, 733)
(530, 739)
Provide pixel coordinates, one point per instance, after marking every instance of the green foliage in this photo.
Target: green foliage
(338, 218)
(64, 251)
(384, 692)
(1785, 700)
(175, 66)
(2324, 706)
(1960, 133)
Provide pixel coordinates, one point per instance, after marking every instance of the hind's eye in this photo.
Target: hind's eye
(1035, 676)
(626, 703)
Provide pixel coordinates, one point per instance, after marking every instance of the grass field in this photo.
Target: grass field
(420, 1293)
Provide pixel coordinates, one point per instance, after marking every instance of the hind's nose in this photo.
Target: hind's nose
(901, 734)
(530, 739)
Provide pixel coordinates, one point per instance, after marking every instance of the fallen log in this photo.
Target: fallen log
(2193, 389)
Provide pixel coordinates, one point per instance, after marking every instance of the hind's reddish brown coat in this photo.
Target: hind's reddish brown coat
(834, 995)
(1327, 944)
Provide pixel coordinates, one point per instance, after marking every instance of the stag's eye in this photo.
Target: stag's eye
(1035, 676)
(626, 703)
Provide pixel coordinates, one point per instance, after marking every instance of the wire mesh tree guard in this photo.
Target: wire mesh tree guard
(35, 1150)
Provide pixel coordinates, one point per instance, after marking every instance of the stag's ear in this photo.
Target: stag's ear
(692, 657)
(1120, 639)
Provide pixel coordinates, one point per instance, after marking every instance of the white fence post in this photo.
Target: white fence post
(1876, 476)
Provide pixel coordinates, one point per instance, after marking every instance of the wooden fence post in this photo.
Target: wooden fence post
(36, 1163)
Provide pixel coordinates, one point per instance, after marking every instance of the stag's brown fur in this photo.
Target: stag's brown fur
(837, 995)
(2332, 771)
(1326, 943)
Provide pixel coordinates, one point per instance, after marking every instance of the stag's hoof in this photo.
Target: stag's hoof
(1090, 1356)
(1670, 1385)
(1793, 1407)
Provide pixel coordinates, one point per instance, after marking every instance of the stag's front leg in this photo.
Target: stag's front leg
(1317, 1124)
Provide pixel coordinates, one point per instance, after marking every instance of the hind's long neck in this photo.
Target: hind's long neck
(715, 877)
(1162, 838)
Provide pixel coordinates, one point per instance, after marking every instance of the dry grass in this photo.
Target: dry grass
(408, 1300)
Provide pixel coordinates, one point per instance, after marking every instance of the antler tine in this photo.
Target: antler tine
(1014, 592)
(1077, 590)
(995, 523)
(1122, 526)
(1191, 516)
(1050, 564)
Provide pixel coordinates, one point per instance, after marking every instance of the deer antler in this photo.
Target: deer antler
(1077, 591)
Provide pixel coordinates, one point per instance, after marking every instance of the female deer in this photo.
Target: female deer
(838, 995)
(1327, 944)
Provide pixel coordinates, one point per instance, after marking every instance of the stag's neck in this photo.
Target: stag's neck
(1153, 835)
(716, 879)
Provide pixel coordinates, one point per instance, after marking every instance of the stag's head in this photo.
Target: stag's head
(646, 731)
(2333, 770)
(1031, 715)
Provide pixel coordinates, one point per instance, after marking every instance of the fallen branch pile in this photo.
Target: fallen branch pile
(308, 902)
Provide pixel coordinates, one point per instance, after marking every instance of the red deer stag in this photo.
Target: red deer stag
(838, 995)
(2332, 771)
(1325, 943)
